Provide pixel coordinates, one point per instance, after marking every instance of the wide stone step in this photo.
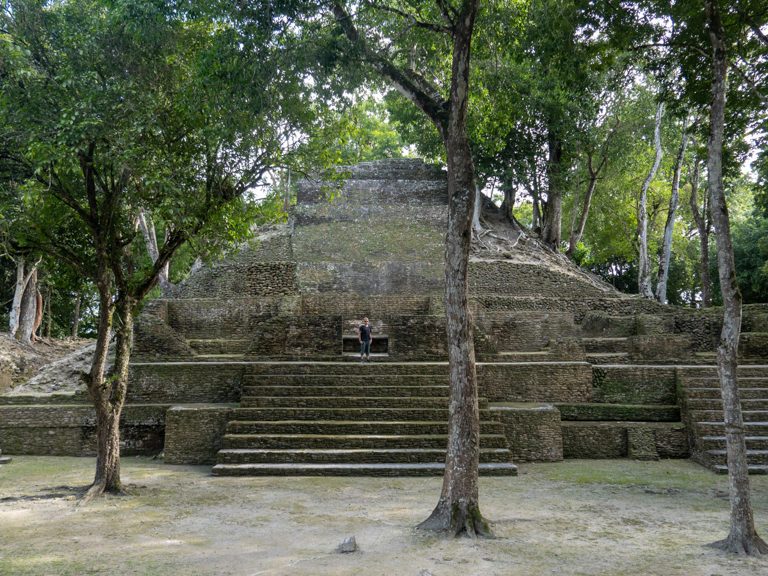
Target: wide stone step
(348, 455)
(710, 371)
(336, 427)
(718, 443)
(717, 428)
(373, 390)
(717, 403)
(718, 457)
(348, 368)
(364, 414)
(712, 393)
(624, 412)
(751, 469)
(365, 469)
(351, 441)
(344, 380)
(607, 357)
(219, 346)
(517, 356)
(717, 415)
(592, 345)
(412, 402)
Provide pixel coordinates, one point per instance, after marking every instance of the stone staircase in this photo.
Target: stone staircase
(704, 407)
(342, 418)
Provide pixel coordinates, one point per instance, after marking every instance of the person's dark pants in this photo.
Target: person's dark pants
(365, 348)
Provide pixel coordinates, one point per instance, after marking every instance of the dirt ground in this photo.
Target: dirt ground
(576, 517)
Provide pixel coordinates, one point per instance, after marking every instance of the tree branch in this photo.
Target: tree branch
(416, 23)
(410, 84)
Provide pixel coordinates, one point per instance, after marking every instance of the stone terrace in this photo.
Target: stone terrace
(252, 364)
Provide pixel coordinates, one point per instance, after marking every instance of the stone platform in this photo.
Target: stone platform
(251, 364)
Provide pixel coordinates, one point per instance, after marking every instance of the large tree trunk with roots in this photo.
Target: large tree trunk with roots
(458, 509)
(644, 262)
(742, 539)
(553, 210)
(703, 221)
(669, 228)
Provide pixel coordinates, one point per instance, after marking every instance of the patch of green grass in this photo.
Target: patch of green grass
(674, 474)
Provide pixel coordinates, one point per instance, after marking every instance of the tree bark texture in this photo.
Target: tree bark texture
(29, 309)
(551, 230)
(742, 538)
(703, 221)
(76, 319)
(644, 263)
(23, 277)
(669, 228)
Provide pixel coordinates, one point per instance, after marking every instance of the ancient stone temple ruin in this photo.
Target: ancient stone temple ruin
(252, 365)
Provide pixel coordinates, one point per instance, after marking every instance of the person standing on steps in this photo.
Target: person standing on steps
(364, 337)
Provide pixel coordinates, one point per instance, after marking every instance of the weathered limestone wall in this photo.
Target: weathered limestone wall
(624, 439)
(635, 385)
(71, 430)
(535, 382)
(193, 433)
(533, 431)
(173, 383)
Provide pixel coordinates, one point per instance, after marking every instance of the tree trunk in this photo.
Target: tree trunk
(48, 314)
(458, 509)
(743, 538)
(577, 234)
(644, 263)
(669, 228)
(150, 241)
(553, 212)
(29, 310)
(107, 476)
(76, 319)
(22, 279)
(508, 205)
(703, 221)
(477, 228)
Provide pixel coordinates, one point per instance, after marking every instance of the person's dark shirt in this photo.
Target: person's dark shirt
(365, 333)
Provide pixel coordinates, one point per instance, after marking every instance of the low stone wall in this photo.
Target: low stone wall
(533, 431)
(193, 433)
(614, 440)
(71, 430)
(535, 382)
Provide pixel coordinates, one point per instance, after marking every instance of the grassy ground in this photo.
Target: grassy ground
(616, 517)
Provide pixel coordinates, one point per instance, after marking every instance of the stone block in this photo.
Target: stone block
(193, 433)
(533, 431)
(535, 381)
(634, 384)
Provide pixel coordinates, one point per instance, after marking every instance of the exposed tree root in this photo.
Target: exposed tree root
(457, 519)
(746, 546)
(98, 488)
